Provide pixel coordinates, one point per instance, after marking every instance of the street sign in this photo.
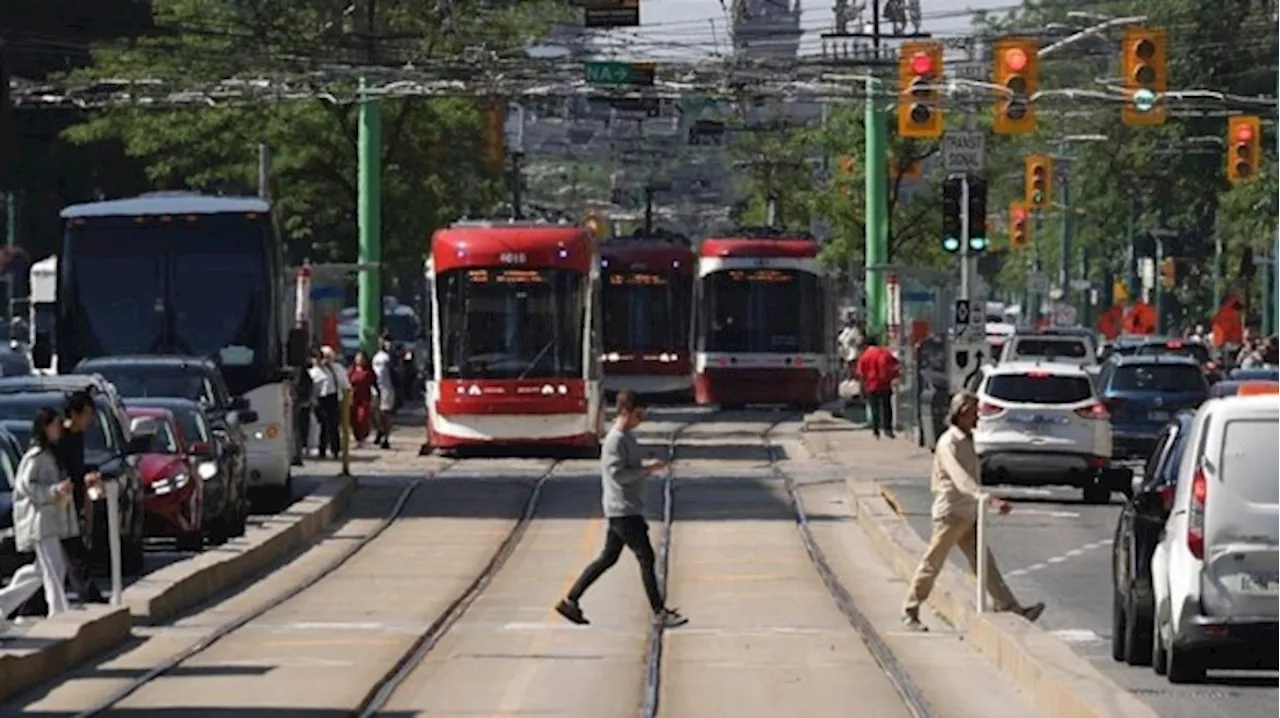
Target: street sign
(1081, 285)
(619, 74)
(960, 318)
(610, 13)
(1038, 283)
(963, 151)
(965, 363)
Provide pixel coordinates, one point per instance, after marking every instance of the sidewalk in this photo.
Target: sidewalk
(871, 459)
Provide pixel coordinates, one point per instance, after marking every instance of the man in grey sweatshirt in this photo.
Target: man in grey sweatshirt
(623, 472)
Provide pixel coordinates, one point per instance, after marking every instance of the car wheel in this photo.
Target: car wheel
(1137, 642)
(193, 541)
(1159, 657)
(1119, 626)
(1184, 666)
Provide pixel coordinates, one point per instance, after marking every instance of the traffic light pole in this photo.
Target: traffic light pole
(876, 239)
(370, 219)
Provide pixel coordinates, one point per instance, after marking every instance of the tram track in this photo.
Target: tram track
(911, 694)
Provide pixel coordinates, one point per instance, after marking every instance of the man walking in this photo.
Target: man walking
(956, 492)
(69, 450)
(877, 369)
(622, 477)
(386, 382)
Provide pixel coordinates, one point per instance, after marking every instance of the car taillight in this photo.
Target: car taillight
(1175, 344)
(989, 410)
(1094, 411)
(1195, 515)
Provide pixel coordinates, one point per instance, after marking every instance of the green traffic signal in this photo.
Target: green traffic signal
(978, 244)
(951, 244)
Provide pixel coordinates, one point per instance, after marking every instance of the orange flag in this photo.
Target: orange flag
(1228, 324)
(1110, 322)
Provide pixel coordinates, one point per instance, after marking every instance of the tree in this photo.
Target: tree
(435, 163)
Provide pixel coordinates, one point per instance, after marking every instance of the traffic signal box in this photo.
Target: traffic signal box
(1244, 147)
(1038, 181)
(1144, 58)
(1019, 225)
(1168, 273)
(1018, 75)
(919, 100)
(978, 239)
(952, 195)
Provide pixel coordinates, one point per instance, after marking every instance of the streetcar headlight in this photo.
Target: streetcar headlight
(562, 389)
(612, 356)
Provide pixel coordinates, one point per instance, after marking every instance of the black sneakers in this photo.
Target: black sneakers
(1032, 612)
(670, 618)
(571, 612)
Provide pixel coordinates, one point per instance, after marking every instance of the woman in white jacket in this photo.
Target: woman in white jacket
(43, 515)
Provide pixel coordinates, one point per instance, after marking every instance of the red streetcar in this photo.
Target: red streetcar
(647, 298)
(516, 349)
(766, 322)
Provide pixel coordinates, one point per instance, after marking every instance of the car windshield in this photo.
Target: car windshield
(163, 441)
(1037, 388)
(155, 381)
(19, 408)
(1182, 349)
(1172, 378)
(1051, 348)
(1250, 463)
(191, 421)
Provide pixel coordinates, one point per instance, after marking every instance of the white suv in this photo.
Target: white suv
(1214, 571)
(1042, 424)
(1057, 346)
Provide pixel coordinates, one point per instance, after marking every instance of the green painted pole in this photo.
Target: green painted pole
(877, 221)
(370, 219)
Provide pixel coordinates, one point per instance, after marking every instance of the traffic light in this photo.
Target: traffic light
(1244, 146)
(1168, 273)
(952, 194)
(495, 136)
(1019, 225)
(1018, 75)
(978, 239)
(1145, 79)
(919, 101)
(1038, 181)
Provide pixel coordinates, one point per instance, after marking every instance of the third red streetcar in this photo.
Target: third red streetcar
(647, 297)
(766, 322)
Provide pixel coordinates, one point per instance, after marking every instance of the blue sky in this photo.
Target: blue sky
(691, 22)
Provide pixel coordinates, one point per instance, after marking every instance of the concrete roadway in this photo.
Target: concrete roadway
(764, 638)
(1057, 549)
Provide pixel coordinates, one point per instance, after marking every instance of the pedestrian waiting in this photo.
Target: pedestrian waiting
(957, 489)
(44, 515)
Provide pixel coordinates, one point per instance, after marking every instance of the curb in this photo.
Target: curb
(1058, 683)
(55, 646)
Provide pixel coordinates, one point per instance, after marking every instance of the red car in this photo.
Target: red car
(174, 493)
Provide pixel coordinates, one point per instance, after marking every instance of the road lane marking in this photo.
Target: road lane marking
(1055, 560)
(1045, 512)
(1076, 635)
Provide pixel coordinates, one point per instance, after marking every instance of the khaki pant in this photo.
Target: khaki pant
(948, 533)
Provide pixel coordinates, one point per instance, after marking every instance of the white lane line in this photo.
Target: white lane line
(1057, 559)
(1046, 512)
(1076, 635)
(1076, 552)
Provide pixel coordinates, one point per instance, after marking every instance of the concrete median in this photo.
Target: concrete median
(53, 647)
(1058, 682)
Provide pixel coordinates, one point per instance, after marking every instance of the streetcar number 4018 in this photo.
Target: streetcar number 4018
(513, 258)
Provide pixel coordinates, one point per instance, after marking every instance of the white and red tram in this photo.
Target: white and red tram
(766, 322)
(516, 348)
(647, 302)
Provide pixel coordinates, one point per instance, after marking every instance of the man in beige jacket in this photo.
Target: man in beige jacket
(956, 485)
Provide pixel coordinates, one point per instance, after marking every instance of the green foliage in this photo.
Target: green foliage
(434, 160)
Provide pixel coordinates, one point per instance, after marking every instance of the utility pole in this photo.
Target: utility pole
(517, 206)
(1063, 190)
(369, 143)
(1131, 228)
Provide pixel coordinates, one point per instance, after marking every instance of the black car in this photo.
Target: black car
(109, 448)
(11, 450)
(226, 491)
(1138, 531)
(1254, 373)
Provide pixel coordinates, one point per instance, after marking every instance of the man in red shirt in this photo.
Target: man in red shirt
(877, 369)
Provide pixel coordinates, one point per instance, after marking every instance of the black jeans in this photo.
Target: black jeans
(78, 576)
(881, 405)
(301, 430)
(327, 413)
(633, 533)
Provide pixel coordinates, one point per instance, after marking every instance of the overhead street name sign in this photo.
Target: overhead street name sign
(963, 151)
(620, 73)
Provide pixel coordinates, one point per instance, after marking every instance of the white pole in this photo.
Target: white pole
(982, 552)
(113, 538)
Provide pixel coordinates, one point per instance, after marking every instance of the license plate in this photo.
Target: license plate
(1159, 416)
(1261, 582)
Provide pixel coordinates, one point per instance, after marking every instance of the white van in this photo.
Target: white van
(1214, 572)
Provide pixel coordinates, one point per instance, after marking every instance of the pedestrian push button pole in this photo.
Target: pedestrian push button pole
(345, 421)
(981, 541)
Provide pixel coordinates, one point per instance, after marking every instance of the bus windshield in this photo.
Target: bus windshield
(509, 323)
(763, 310)
(646, 311)
(195, 286)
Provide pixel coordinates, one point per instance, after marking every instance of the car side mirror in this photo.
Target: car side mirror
(42, 353)
(246, 416)
(296, 348)
(239, 403)
(137, 445)
(201, 449)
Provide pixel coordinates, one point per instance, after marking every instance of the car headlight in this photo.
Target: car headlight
(207, 470)
(180, 480)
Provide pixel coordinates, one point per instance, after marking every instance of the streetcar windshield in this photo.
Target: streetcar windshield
(512, 323)
(646, 311)
(762, 310)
